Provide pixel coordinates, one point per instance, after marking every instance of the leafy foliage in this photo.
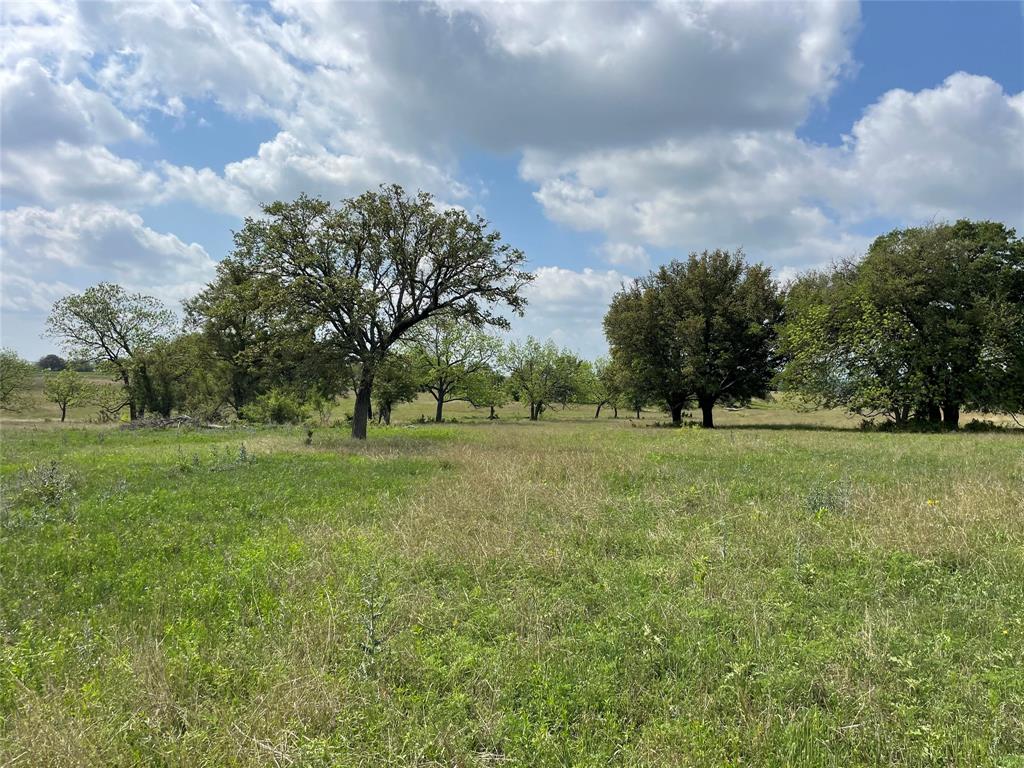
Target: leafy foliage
(929, 322)
(361, 276)
(67, 388)
(701, 329)
(15, 378)
(106, 323)
(544, 375)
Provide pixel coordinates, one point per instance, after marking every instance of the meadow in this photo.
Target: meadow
(783, 590)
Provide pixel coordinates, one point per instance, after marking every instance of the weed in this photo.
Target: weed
(828, 498)
(374, 602)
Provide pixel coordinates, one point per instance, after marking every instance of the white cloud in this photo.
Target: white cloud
(626, 255)
(945, 153)
(952, 151)
(36, 110)
(46, 252)
(285, 166)
(568, 306)
(575, 76)
(64, 173)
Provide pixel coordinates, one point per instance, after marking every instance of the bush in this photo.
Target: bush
(276, 407)
(48, 484)
(828, 498)
(983, 425)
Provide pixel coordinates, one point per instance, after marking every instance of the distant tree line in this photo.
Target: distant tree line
(387, 297)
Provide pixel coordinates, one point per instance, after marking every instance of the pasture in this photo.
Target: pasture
(784, 590)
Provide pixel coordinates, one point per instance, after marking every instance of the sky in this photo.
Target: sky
(601, 139)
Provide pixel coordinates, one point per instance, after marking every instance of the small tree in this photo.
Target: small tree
(65, 389)
(487, 388)
(543, 374)
(605, 385)
(109, 324)
(449, 355)
(52, 363)
(361, 276)
(398, 381)
(15, 380)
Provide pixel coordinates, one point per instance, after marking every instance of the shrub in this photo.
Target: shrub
(828, 498)
(49, 484)
(276, 407)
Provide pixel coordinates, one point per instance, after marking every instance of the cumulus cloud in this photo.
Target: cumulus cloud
(568, 306)
(51, 253)
(571, 76)
(945, 153)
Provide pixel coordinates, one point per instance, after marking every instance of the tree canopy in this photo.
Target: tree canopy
(701, 329)
(106, 323)
(361, 275)
(931, 321)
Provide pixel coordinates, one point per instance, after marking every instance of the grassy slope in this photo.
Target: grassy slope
(569, 592)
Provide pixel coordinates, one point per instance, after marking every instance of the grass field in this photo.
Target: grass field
(785, 590)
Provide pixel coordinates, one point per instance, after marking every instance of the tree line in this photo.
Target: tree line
(387, 296)
(928, 323)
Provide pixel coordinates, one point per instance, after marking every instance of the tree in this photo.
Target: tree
(245, 336)
(15, 380)
(948, 284)
(543, 374)
(605, 385)
(398, 380)
(930, 321)
(701, 329)
(52, 363)
(487, 388)
(108, 324)
(363, 275)
(638, 333)
(449, 354)
(65, 389)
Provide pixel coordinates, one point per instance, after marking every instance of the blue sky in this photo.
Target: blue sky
(601, 139)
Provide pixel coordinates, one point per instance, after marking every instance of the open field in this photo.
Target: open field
(570, 592)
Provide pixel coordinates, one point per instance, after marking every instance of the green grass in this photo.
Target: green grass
(573, 592)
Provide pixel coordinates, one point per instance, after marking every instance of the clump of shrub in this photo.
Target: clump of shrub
(983, 425)
(277, 406)
(828, 499)
(49, 484)
(35, 494)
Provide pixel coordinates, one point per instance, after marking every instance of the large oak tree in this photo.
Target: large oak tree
(363, 274)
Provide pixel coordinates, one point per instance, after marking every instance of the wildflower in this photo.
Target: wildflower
(933, 503)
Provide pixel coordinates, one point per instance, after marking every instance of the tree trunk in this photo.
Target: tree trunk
(676, 409)
(615, 411)
(361, 414)
(493, 414)
(63, 412)
(439, 413)
(951, 416)
(706, 407)
(597, 413)
(132, 411)
(385, 414)
(638, 413)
